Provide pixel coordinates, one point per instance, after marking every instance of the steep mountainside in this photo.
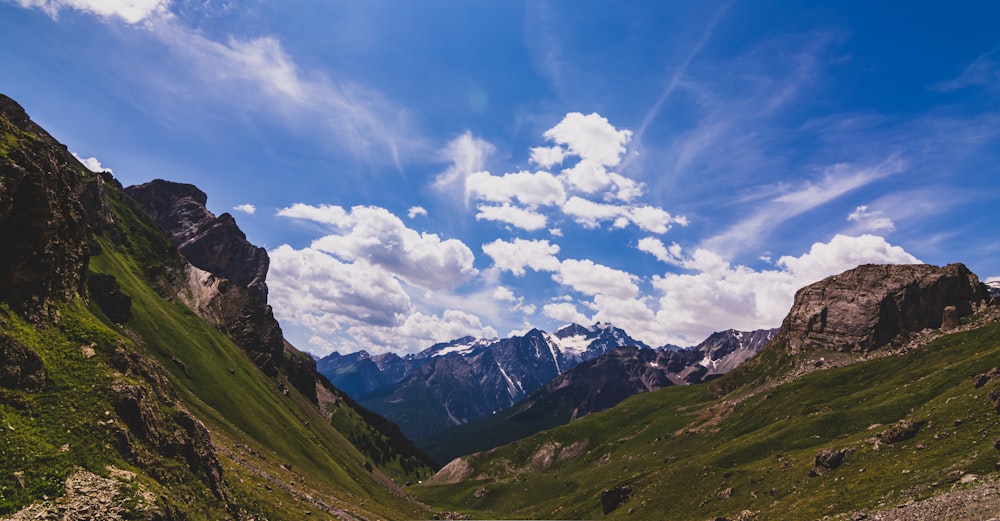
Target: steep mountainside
(107, 377)
(814, 429)
(596, 385)
(459, 381)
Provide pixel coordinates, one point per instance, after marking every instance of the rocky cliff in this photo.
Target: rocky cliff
(43, 224)
(225, 278)
(50, 208)
(875, 305)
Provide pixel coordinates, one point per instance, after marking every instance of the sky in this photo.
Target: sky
(423, 171)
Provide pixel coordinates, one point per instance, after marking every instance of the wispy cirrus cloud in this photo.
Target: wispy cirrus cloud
(836, 180)
(128, 11)
(255, 75)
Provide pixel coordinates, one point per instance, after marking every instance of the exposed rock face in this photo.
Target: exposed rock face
(20, 367)
(226, 276)
(874, 305)
(43, 225)
(213, 244)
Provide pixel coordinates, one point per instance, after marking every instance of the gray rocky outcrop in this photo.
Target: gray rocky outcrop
(43, 225)
(213, 244)
(225, 278)
(875, 305)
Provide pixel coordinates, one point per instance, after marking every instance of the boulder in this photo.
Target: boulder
(614, 498)
(20, 367)
(829, 458)
(875, 305)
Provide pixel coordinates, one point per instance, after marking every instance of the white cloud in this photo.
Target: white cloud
(590, 278)
(415, 211)
(692, 306)
(841, 253)
(246, 208)
(565, 312)
(418, 331)
(590, 214)
(520, 254)
(872, 220)
(376, 236)
(504, 294)
(466, 154)
(324, 214)
(656, 248)
(258, 75)
(649, 218)
(129, 11)
(590, 137)
(521, 218)
(91, 163)
(547, 157)
(836, 181)
(532, 189)
(310, 288)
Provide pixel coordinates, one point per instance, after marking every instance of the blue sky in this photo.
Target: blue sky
(421, 171)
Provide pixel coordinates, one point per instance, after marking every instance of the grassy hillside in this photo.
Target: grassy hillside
(689, 453)
(280, 457)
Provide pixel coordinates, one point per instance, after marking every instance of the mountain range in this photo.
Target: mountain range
(453, 383)
(143, 376)
(878, 399)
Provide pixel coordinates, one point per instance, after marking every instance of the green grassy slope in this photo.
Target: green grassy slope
(687, 455)
(241, 406)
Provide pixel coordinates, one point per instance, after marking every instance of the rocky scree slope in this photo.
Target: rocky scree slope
(598, 384)
(852, 437)
(157, 392)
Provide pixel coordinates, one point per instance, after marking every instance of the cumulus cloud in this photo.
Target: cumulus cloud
(376, 236)
(504, 294)
(352, 288)
(547, 157)
(92, 163)
(419, 331)
(565, 312)
(414, 211)
(129, 11)
(310, 288)
(719, 295)
(527, 199)
(656, 248)
(525, 219)
(872, 220)
(532, 189)
(246, 208)
(590, 278)
(520, 254)
(590, 137)
(590, 214)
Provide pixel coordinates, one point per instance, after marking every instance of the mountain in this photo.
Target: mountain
(459, 381)
(596, 385)
(893, 418)
(139, 383)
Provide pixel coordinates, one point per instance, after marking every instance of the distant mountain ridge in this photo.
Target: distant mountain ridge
(874, 395)
(455, 382)
(598, 384)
